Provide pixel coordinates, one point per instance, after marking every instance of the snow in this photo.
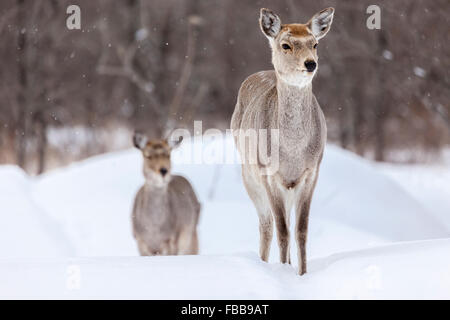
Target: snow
(427, 184)
(373, 233)
(415, 270)
(25, 230)
(388, 55)
(141, 34)
(420, 72)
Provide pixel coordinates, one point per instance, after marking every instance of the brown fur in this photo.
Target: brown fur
(282, 100)
(297, 30)
(166, 210)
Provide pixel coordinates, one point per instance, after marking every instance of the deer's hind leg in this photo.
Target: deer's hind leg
(193, 249)
(302, 219)
(187, 242)
(143, 248)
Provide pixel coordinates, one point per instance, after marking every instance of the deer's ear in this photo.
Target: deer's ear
(320, 24)
(174, 141)
(270, 23)
(140, 140)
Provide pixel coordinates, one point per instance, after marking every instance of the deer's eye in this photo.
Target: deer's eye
(285, 46)
(315, 46)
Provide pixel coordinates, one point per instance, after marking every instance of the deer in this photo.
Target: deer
(166, 209)
(282, 100)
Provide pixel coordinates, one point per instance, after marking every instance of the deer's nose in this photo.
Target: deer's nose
(163, 171)
(310, 65)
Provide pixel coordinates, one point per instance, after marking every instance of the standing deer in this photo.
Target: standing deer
(282, 100)
(166, 209)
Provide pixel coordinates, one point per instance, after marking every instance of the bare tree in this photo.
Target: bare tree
(161, 63)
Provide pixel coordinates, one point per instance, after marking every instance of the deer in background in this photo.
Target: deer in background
(282, 99)
(166, 210)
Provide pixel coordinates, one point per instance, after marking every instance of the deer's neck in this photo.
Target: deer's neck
(156, 187)
(295, 106)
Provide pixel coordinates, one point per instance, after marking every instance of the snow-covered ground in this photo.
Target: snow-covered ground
(375, 232)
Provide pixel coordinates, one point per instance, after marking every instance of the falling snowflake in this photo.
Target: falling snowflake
(418, 71)
(141, 34)
(388, 55)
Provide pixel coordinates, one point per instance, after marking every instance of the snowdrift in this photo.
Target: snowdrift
(361, 224)
(25, 230)
(417, 270)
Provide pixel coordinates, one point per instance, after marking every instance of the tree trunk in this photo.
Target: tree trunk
(358, 120)
(41, 144)
(22, 101)
(134, 94)
(380, 106)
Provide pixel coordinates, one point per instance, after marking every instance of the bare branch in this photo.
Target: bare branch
(186, 72)
(6, 17)
(198, 98)
(126, 68)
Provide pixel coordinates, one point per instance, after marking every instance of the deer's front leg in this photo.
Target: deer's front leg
(281, 223)
(282, 235)
(265, 234)
(302, 219)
